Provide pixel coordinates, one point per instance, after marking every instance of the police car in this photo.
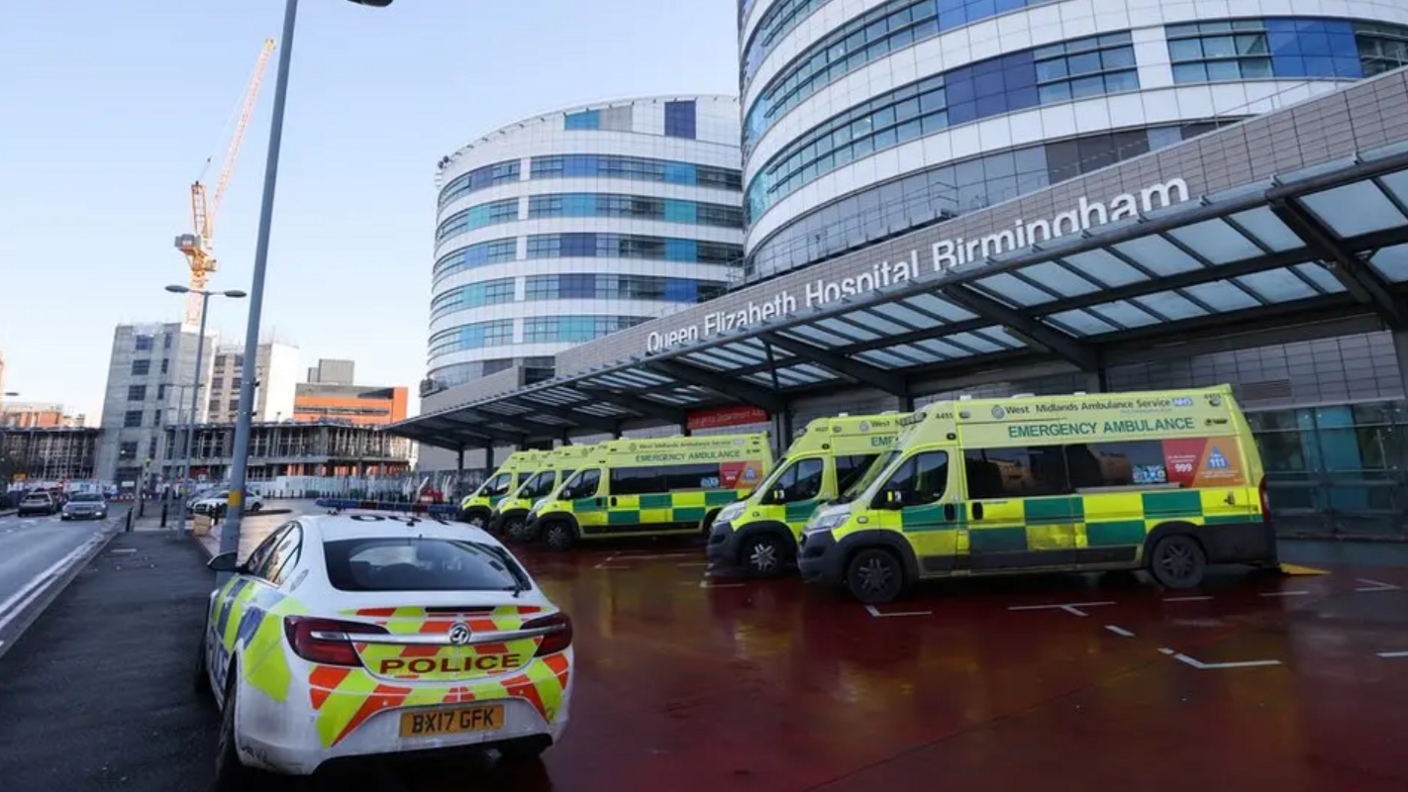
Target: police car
(376, 633)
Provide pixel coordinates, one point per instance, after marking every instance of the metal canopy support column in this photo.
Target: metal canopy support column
(864, 373)
(643, 406)
(459, 472)
(1083, 356)
(735, 388)
(1357, 276)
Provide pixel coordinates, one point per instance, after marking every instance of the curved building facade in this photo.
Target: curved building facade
(574, 224)
(863, 119)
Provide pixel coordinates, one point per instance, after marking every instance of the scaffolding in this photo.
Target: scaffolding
(322, 448)
(50, 455)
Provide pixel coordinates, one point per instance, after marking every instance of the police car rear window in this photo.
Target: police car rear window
(419, 564)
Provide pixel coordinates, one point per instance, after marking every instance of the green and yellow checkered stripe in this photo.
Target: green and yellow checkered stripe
(670, 507)
(1105, 520)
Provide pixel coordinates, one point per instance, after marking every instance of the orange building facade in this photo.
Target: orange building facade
(357, 404)
(28, 415)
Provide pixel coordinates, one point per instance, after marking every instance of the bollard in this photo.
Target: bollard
(129, 519)
(163, 514)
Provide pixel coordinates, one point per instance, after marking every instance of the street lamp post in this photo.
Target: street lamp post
(230, 531)
(205, 296)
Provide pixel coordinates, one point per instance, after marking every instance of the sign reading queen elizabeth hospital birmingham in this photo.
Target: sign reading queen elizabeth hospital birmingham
(944, 256)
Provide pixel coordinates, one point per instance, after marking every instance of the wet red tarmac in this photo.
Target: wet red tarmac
(687, 683)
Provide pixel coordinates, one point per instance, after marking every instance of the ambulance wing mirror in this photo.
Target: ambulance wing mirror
(224, 562)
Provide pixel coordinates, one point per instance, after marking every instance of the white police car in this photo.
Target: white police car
(372, 633)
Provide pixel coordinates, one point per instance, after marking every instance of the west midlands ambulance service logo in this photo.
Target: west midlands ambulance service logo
(865, 426)
(998, 413)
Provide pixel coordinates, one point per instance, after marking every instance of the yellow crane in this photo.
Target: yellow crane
(196, 246)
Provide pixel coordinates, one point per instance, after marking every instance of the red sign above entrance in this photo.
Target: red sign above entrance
(725, 416)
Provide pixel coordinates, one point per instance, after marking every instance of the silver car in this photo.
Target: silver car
(85, 506)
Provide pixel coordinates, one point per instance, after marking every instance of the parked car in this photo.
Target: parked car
(85, 506)
(38, 503)
(216, 505)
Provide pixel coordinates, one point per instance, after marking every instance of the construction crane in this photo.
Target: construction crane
(196, 246)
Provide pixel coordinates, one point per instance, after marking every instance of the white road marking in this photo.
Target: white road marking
(1201, 666)
(1072, 607)
(1374, 585)
(1283, 594)
(1120, 631)
(1392, 655)
(16, 604)
(874, 611)
(1186, 599)
(704, 584)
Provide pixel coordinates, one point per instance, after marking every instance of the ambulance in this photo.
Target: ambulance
(478, 507)
(665, 486)
(510, 516)
(1168, 482)
(759, 535)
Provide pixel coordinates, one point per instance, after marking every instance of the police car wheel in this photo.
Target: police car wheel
(875, 576)
(200, 679)
(559, 536)
(230, 772)
(1178, 562)
(764, 556)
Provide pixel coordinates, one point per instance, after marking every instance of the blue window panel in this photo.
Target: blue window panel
(578, 245)
(681, 250)
(991, 105)
(1351, 68)
(579, 165)
(579, 205)
(959, 85)
(680, 119)
(681, 290)
(1342, 43)
(681, 212)
(1003, 6)
(1289, 66)
(680, 173)
(981, 9)
(1319, 66)
(587, 119)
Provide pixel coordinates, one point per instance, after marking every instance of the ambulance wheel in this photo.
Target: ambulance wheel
(875, 576)
(516, 529)
(230, 772)
(559, 536)
(764, 556)
(1178, 562)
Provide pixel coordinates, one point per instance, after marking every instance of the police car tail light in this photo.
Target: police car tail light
(326, 640)
(559, 636)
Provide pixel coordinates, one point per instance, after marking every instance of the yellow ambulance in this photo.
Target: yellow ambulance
(510, 516)
(477, 508)
(1169, 482)
(643, 487)
(759, 534)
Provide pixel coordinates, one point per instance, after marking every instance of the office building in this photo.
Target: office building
(332, 372)
(47, 455)
(150, 374)
(575, 224)
(36, 415)
(277, 369)
(364, 405)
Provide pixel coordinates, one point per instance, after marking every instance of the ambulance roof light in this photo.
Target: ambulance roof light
(1024, 395)
(965, 397)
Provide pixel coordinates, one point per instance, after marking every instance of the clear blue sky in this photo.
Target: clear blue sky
(108, 111)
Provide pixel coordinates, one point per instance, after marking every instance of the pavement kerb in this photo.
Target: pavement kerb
(30, 613)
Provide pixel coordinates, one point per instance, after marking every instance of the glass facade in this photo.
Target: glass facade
(479, 254)
(940, 193)
(475, 295)
(609, 166)
(635, 207)
(631, 246)
(1058, 73)
(472, 336)
(1278, 47)
(680, 120)
(479, 179)
(575, 329)
(611, 286)
(476, 217)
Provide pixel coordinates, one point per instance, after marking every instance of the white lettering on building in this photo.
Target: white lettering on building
(944, 255)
